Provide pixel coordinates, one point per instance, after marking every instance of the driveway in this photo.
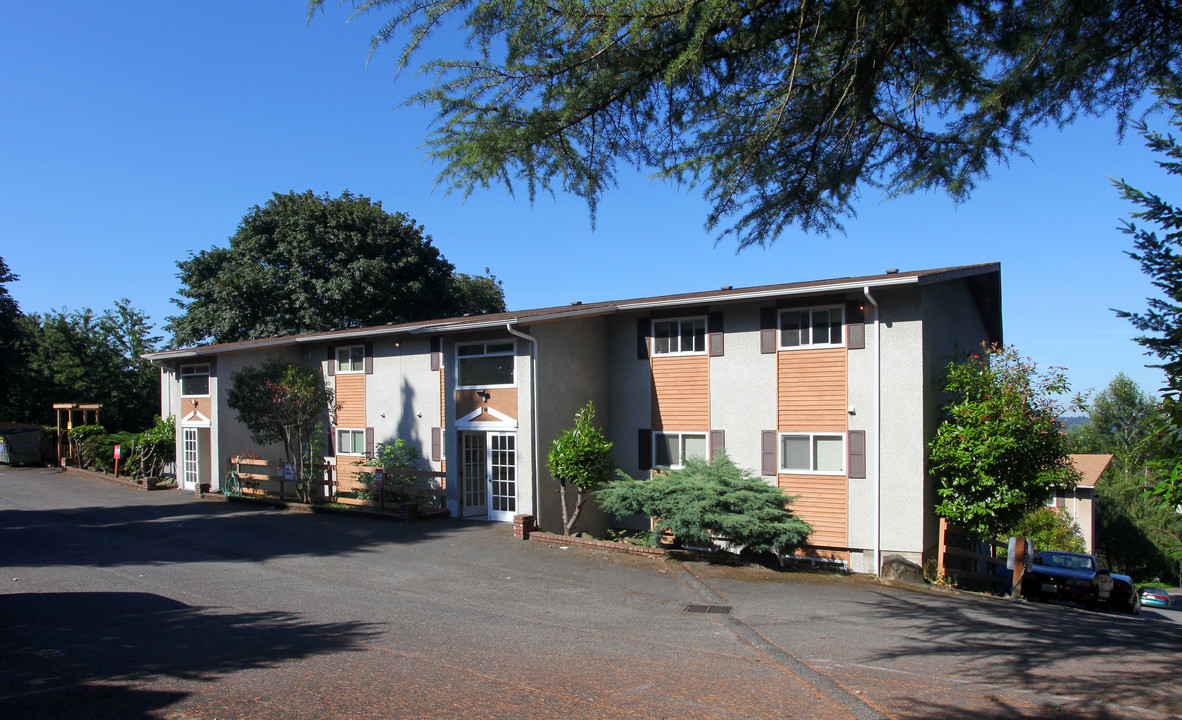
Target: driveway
(120, 603)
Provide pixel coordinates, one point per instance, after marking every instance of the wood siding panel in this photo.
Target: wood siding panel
(813, 390)
(823, 503)
(503, 400)
(350, 394)
(347, 468)
(681, 393)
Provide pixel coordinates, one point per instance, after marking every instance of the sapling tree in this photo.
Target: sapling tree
(704, 501)
(1000, 451)
(581, 458)
(282, 402)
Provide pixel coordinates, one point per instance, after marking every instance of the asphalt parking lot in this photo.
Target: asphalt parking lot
(121, 603)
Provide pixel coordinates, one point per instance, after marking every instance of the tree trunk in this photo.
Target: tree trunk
(580, 498)
(566, 524)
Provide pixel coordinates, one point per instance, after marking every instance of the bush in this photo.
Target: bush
(1051, 529)
(391, 456)
(708, 501)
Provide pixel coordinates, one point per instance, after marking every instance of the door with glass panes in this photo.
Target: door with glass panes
(489, 484)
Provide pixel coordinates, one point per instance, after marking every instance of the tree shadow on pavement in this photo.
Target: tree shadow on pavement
(1050, 650)
(138, 534)
(82, 655)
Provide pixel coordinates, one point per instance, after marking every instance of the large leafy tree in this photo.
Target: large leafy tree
(305, 263)
(11, 349)
(1000, 451)
(1122, 420)
(286, 403)
(780, 110)
(83, 356)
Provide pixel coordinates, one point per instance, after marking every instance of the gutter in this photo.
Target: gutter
(877, 434)
(533, 411)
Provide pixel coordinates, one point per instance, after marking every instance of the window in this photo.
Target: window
(818, 327)
(812, 453)
(350, 442)
(670, 450)
(483, 365)
(195, 380)
(679, 337)
(351, 359)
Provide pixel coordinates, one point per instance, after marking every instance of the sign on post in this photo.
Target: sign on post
(379, 477)
(116, 461)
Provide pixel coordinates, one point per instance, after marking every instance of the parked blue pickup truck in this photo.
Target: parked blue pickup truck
(1074, 577)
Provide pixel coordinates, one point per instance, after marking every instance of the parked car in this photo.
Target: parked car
(1124, 597)
(1155, 597)
(1074, 577)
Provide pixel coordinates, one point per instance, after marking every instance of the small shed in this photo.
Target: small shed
(20, 444)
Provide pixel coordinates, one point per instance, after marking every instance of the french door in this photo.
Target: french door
(190, 460)
(489, 484)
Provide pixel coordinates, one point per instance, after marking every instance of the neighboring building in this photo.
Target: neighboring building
(1077, 502)
(829, 389)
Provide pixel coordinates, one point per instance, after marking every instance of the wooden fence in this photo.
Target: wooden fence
(970, 562)
(265, 478)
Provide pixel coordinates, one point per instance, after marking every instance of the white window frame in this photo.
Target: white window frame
(350, 349)
(812, 453)
(659, 435)
(511, 353)
(677, 321)
(352, 432)
(810, 310)
(190, 371)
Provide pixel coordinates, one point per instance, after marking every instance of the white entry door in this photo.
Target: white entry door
(502, 475)
(190, 459)
(474, 485)
(489, 485)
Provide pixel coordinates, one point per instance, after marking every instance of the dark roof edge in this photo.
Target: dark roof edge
(924, 277)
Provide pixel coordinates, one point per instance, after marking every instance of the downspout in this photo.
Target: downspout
(533, 410)
(877, 434)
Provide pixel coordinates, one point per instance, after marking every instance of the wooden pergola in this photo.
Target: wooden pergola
(70, 409)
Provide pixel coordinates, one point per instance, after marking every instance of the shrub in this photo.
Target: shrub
(391, 456)
(1051, 529)
(705, 501)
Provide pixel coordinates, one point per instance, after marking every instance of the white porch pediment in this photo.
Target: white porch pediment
(486, 418)
(195, 419)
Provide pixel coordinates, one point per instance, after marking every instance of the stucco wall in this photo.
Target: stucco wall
(898, 455)
(743, 388)
(953, 325)
(572, 370)
(232, 435)
(402, 393)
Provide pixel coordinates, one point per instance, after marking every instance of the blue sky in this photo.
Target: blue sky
(138, 132)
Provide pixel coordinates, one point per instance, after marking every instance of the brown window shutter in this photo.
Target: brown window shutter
(644, 449)
(767, 447)
(436, 353)
(767, 330)
(332, 361)
(857, 453)
(332, 439)
(369, 358)
(714, 334)
(644, 328)
(436, 444)
(369, 441)
(855, 327)
(717, 443)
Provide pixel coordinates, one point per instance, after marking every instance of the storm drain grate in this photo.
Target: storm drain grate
(718, 609)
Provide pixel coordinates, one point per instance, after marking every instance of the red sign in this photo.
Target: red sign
(116, 452)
